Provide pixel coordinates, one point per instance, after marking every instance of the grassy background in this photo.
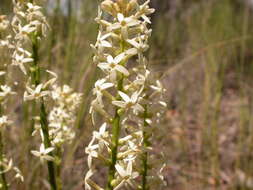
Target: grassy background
(202, 49)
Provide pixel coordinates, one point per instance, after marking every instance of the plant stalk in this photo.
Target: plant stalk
(115, 142)
(3, 178)
(35, 75)
(47, 143)
(145, 154)
(115, 132)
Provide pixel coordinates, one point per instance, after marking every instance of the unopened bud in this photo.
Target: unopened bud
(3, 22)
(122, 4)
(131, 6)
(107, 6)
(116, 7)
(114, 182)
(120, 112)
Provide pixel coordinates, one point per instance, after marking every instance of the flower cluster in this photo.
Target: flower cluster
(61, 120)
(125, 97)
(29, 25)
(63, 115)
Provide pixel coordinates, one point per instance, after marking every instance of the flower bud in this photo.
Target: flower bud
(107, 6)
(114, 182)
(122, 4)
(121, 111)
(116, 8)
(4, 23)
(131, 6)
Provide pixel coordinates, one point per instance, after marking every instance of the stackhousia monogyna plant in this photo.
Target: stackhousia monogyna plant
(30, 26)
(126, 97)
(6, 165)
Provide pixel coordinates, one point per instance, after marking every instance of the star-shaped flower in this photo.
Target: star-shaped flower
(129, 102)
(126, 175)
(100, 86)
(113, 66)
(124, 23)
(34, 94)
(20, 57)
(43, 153)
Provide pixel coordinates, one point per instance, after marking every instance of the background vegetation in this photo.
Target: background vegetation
(202, 49)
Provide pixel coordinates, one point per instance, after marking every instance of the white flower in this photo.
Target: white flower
(51, 81)
(158, 90)
(32, 8)
(100, 86)
(4, 121)
(34, 94)
(124, 23)
(43, 153)
(129, 102)
(98, 142)
(101, 135)
(7, 165)
(126, 175)
(113, 65)
(18, 174)
(92, 152)
(20, 57)
(139, 44)
(101, 40)
(144, 10)
(5, 91)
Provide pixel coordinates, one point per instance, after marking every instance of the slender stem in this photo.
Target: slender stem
(58, 167)
(3, 179)
(115, 132)
(115, 142)
(145, 154)
(35, 70)
(35, 75)
(47, 143)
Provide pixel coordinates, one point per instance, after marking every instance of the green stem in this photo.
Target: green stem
(115, 142)
(145, 154)
(115, 131)
(58, 167)
(47, 143)
(3, 179)
(35, 70)
(35, 75)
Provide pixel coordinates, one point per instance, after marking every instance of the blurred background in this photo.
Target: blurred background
(203, 52)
